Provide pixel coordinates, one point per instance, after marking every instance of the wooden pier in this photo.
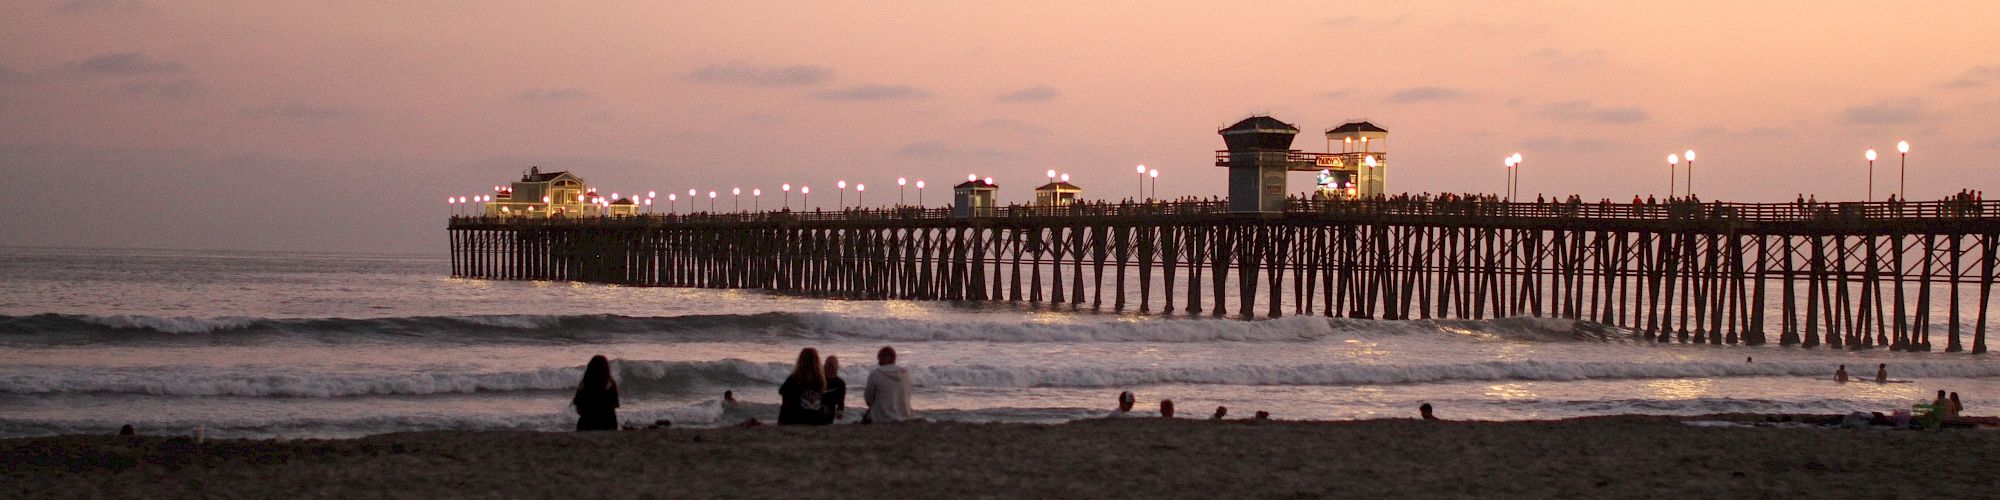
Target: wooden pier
(1847, 275)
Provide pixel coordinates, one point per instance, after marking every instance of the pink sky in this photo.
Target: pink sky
(342, 125)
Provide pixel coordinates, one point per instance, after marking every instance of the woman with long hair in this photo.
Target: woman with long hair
(596, 398)
(802, 395)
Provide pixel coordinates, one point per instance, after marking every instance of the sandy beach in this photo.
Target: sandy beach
(1612, 456)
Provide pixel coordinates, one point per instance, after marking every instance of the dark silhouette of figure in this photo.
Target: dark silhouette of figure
(1425, 411)
(1956, 408)
(1840, 375)
(127, 430)
(729, 396)
(1220, 412)
(836, 389)
(803, 395)
(1167, 408)
(596, 399)
(1882, 373)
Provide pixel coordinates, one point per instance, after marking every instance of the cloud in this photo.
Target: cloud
(938, 149)
(294, 111)
(1038, 93)
(1580, 144)
(548, 95)
(1333, 94)
(1015, 126)
(1425, 94)
(88, 6)
(1887, 112)
(1979, 76)
(125, 64)
(9, 75)
(871, 92)
(1557, 60)
(181, 90)
(1584, 111)
(741, 73)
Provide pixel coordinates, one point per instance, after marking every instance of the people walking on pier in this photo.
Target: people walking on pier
(802, 396)
(887, 392)
(596, 398)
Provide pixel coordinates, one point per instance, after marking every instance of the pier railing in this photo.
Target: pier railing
(1387, 208)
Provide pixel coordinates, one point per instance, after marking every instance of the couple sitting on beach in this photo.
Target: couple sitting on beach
(815, 394)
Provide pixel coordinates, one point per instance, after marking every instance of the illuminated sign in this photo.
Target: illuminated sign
(1330, 161)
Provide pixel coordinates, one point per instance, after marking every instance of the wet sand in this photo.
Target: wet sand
(1612, 456)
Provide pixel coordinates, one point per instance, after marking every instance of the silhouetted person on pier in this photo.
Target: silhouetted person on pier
(596, 399)
(1425, 411)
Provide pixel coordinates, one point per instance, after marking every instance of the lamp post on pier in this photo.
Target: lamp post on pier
(671, 199)
(1902, 170)
(805, 197)
(788, 195)
(859, 190)
(1516, 158)
(757, 199)
(1155, 174)
(1673, 163)
(1689, 155)
(842, 185)
(711, 202)
(1871, 174)
(1142, 181)
(1508, 186)
(692, 194)
(900, 182)
(738, 193)
(920, 192)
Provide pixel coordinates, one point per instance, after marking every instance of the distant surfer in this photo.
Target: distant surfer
(1840, 375)
(1882, 373)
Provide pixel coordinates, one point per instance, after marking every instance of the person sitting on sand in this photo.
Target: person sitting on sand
(802, 396)
(1220, 412)
(596, 397)
(1942, 404)
(1955, 408)
(1166, 408)
(1840, 375)
(836, 390)
(1125, 402)
(1262, 415)
(888, 391)
(127, 430)
(1882, 373)
(1425, 411)
(729, 397)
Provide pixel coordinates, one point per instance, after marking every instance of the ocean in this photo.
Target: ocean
(293, 345)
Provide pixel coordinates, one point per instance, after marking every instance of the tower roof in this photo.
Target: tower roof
(1261, 124)
(1360, 126)
(1062, 185)
(980, 183)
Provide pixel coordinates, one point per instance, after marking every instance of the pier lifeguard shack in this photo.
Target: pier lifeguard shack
(974, 197)
(1260, 153)
(1057, 194)
(1361, 168)
(543, 194)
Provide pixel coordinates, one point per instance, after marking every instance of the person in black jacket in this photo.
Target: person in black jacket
(596, 398)
(836, 391)
(802, 396)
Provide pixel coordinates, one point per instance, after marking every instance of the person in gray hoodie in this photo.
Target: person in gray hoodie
(888, 392)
